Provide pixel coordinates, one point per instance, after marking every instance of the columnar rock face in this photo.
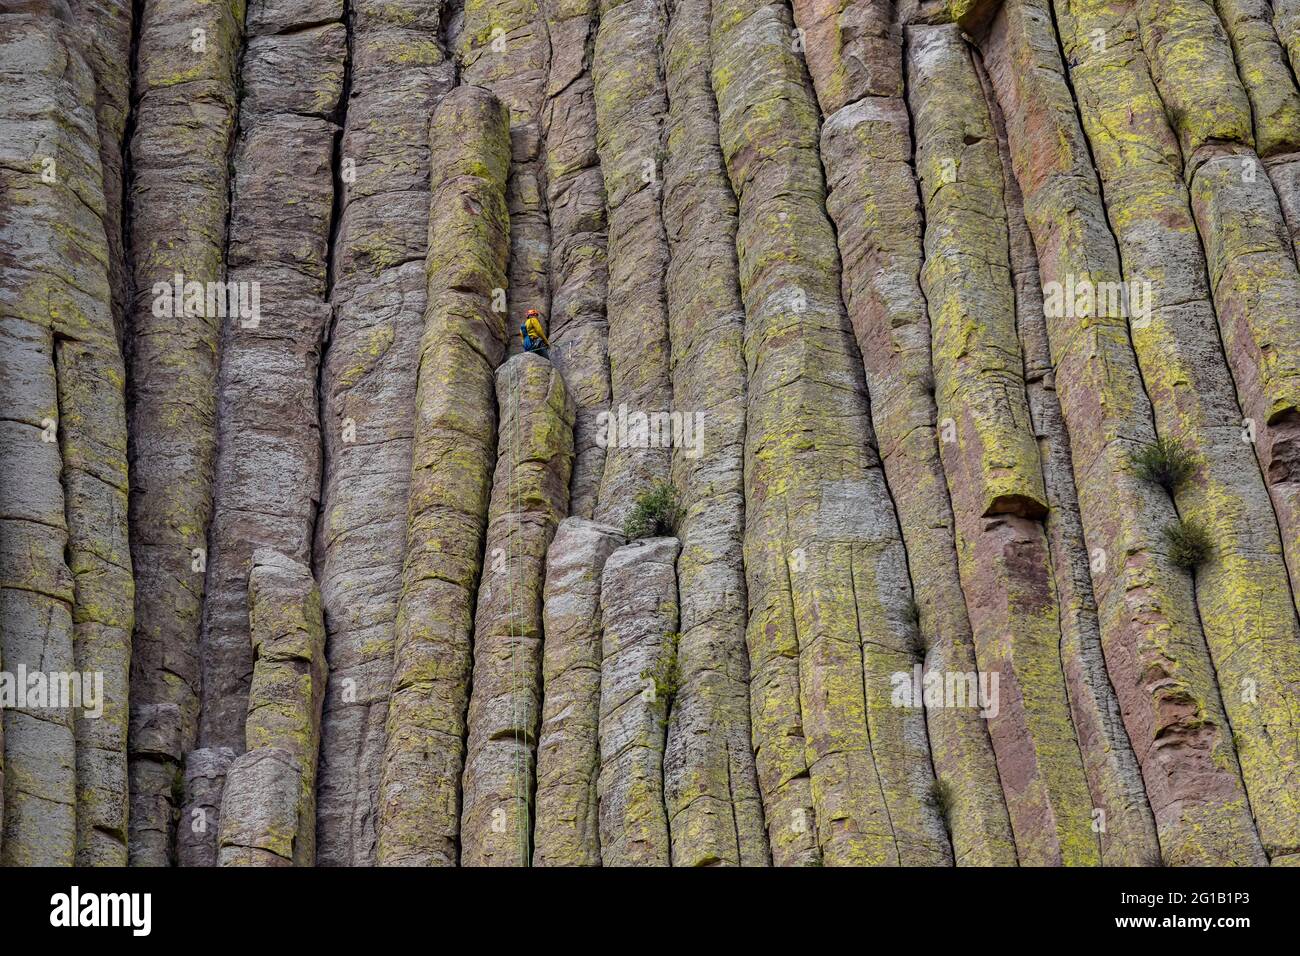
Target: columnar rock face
(631, 104)
(451, 474)
(989, 454)
(503, 47)
(566, 830)
(866, 147)
(1286, 23)
(530, 494)
(107, 29)
(638, 678)
(1256, 653)
(957, 341)
(1154, 645)
(398, 73)
(200, 821)
(1120, 811)
(575, 197)
(268, 808)
(1187, 377)
(711, 787)
(93, 440)
(64, 571)
(829, 593)
(179, 201)
(1253, 278)
(268, 466)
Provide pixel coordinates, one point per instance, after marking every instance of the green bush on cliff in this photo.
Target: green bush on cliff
(665, 674)
(943, 798)
(656, 512)
(1165, 463)
(1190, 545)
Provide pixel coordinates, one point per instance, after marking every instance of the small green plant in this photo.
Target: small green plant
(664, 676)
(656, 512)
(1190, 544)
(915, 639)
(1165, 463)
(943, 799)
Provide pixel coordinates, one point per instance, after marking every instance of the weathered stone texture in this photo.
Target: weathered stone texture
(866, 148)
(631, 106)
(1127, 828)
(258, 819)
(1154, 645)
(575, 198)
(399, 72)
(639, 614)
(530, 495)
(1243, 590)
(200, 820)
(566, 831)
(268, 809)
(454, 449)
(824, 562)
(268, 465)
(184, 117)
(711, 787)
(990, 458)
(503, 47)
(62, 440)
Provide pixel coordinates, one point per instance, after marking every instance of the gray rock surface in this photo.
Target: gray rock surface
(566, 828)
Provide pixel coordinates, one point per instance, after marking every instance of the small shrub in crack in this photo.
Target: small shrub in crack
(943, 799)
(665, 675)
(1165, 463)
(915, 639)
(1190, 545)
(655, 513)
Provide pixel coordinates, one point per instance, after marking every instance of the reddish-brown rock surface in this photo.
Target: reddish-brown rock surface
(910, 474)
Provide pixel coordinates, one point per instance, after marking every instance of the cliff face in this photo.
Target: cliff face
(912, 477)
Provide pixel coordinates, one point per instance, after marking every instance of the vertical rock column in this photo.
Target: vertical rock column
(503, 47)
(530, 494)
(1251, 260)
(1120, 810)
(1153, 642)
(451, 473)
(710, 784)
(1286, 24)
(185, 102)
(989, 455)
(639, 619)
(399, 72)
(54, 309)
(566, 831)
(200, 823)
(575, 198)
(268, 809)
(1275, 102)
(826, 572)
(631, 105)
(1249, 624)
(91, 377)
(108, 30)
(268, 459)
(854, 54)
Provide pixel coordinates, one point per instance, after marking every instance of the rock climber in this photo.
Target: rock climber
(534, 338)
